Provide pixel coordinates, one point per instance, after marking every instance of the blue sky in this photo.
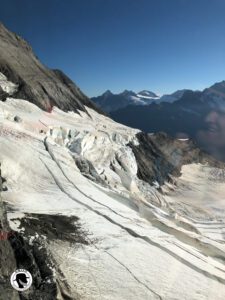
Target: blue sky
(160, 45)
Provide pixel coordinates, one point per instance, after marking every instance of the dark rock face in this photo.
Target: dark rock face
(54, 227)
(159, 156)
(3, 95)
(36, 258)
(87, 169)
(36, 83)
(7, 258)
(2, 181)
(8, 263)
(17, 252)
(7, 267)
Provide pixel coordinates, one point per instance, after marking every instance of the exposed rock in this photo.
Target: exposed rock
(7, 258)
(17, 119)
(2, 181)
(30, 247)
(7, 267)
(35, 82)
(88, 170)
(53, 227)
(3, 94)
(159, 156)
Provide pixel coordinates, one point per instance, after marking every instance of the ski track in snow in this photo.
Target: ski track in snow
(127, 229)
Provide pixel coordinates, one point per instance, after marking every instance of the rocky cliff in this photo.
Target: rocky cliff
(35, 82)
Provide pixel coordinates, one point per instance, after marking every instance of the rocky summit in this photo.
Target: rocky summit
(35, 82)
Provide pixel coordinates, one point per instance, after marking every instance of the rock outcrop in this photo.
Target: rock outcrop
(35, 82)
(159, 156)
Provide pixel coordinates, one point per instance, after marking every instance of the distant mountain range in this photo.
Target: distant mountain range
(183, 114)
(110, 102)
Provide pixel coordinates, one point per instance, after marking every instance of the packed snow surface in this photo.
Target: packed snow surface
(145, 244)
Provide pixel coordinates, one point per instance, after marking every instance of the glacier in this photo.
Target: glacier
(144, 241)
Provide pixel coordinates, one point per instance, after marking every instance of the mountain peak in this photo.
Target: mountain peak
(147, 93)
(36, 83)
(128, 93)
(2, 27)
(216, 93)
(14, 39)
(218, 86)
(107, 93)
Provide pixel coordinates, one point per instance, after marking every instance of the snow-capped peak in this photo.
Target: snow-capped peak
(147, 94)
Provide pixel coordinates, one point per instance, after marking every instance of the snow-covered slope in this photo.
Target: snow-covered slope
(134, 238)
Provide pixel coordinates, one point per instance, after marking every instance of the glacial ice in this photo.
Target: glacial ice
(147, 244)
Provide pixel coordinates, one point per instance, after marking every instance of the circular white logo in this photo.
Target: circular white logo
(21, 280)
